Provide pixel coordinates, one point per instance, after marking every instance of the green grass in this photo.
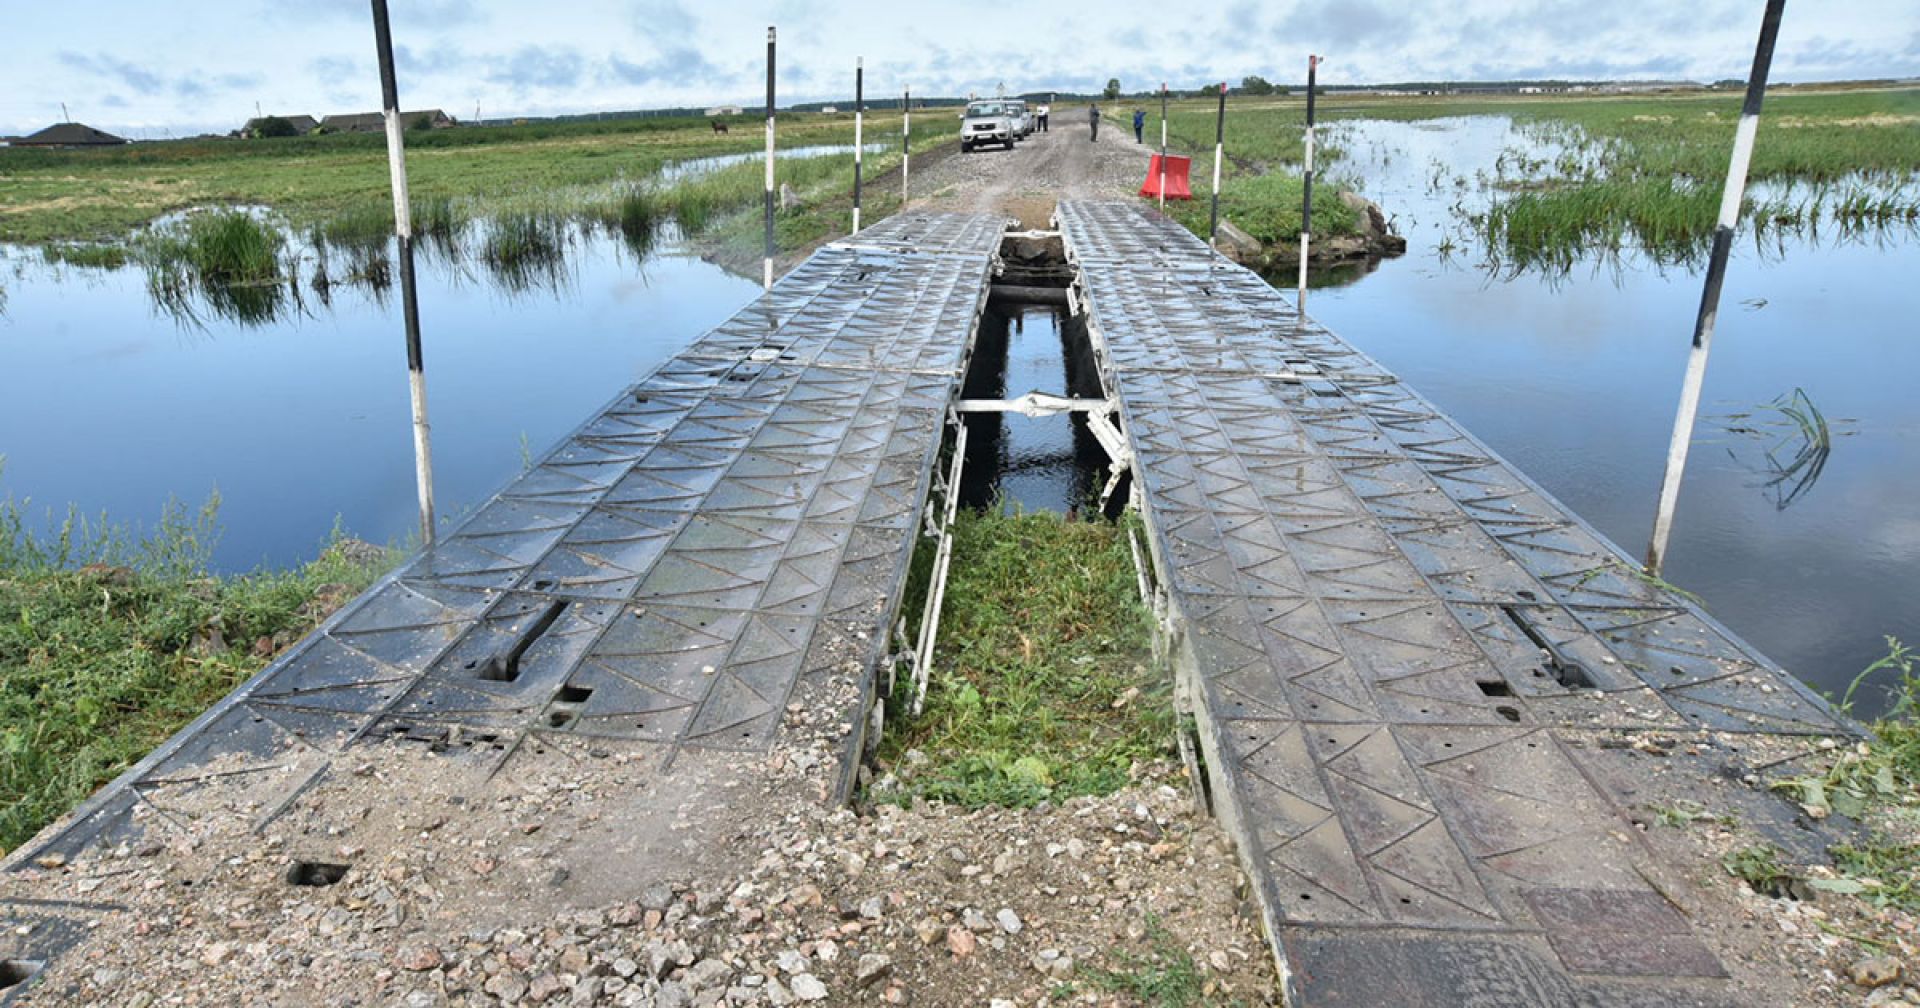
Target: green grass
(1657, 168)
(1163, 976)
(85, 194)
(1869, 780)
(111, 642)
(1267, 207)
(1043, 685)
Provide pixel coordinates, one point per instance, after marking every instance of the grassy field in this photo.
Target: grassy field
(110, 643)
(49, 195)
(1043, 683)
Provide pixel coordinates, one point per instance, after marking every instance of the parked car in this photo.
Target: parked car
(986, 122)
(1022, 119)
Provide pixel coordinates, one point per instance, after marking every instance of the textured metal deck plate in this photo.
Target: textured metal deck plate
(729, 528)
(1401, 646)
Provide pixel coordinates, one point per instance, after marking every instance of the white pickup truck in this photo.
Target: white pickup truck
(988, 122)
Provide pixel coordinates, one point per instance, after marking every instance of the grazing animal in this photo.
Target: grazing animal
(719, 127)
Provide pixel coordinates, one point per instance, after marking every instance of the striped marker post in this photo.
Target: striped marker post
(859, 75)
(1306, 199)
(1730, 198)
(1219, 146)
(767, 260)
(906, 141)
(409, 297)
(1163, 146)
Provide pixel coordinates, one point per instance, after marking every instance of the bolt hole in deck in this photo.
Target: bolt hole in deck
(15, 972)
(315, 873)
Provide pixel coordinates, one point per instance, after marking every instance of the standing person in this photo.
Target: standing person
(1093, 118)
(1041, 113)
(1139, 124)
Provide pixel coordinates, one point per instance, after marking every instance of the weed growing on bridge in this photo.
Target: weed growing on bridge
(1043, 685)
(110, 642)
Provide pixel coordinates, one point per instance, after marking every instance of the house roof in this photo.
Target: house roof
(368, 122)
(301, 123)
(69, 134)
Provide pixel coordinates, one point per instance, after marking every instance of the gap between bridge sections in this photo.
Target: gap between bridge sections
(1424, 690)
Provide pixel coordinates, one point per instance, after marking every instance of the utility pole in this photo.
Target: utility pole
(1730, 197)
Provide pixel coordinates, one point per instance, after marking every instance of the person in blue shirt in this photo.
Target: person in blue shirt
(1139, 124)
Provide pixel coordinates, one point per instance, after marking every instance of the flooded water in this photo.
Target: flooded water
(1048, 463)
(113, 405)
(1575, 378)
(680, 171)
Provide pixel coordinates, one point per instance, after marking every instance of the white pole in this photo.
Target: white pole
(906, 142)
(1163, 146)
(409, 297)
(859, 111)
(1696, 374)
(1306, 202)
(767, 261)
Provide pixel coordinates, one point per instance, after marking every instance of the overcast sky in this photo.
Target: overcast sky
(151, 69)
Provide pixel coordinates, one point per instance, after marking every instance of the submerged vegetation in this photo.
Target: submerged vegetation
(1647, 175)
(227, 257)
(110, 642)
(1043, 683)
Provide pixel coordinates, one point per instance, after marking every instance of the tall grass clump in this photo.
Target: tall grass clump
(111, 641)
(525, 248)
(227, 260)
(230, 247)
(1043, 684)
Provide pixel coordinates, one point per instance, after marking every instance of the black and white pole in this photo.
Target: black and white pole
(906, 141)
(1730, 198)
(409, 298)
(1306, 199)
(1219, 145)
(766, 279)
(859, 109)
(1163, 145)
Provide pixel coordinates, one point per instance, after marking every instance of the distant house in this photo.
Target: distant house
(374, 122)
(724, 110)
(69, 134)
(829, 109)
(302, 125)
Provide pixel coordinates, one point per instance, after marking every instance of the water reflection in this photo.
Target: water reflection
(1047, 463)
(1786, 442)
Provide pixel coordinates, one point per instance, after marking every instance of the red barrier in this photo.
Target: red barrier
(1176, 177)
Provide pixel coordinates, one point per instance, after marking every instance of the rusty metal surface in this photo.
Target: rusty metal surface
(733, 526)
(1402, 647)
